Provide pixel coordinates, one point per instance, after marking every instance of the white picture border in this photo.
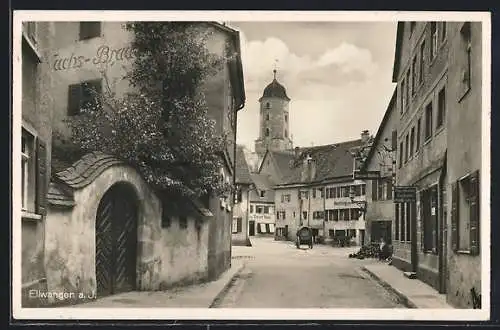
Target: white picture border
(75, 313)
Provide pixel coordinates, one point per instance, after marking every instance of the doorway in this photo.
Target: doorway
(251, 228)
(116, 241)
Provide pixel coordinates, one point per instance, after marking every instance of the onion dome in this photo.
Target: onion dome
(275, 89)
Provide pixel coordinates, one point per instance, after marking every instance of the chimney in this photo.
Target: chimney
(365, 136)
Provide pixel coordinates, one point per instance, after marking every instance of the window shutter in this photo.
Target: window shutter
(74, 98)
(454, 216)
(474, 213)
(389, 188)
(41, 180)
(238, 225)
(374, 189)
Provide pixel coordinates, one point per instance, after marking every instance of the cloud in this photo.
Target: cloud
(333, 93)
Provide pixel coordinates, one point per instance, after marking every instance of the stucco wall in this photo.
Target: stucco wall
(241, 211)
(165, 256)
(291, 211)
(464, 156)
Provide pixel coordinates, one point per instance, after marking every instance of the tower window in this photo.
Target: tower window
(267, 116)
(286, 118)
(267, 131)
(268, 105)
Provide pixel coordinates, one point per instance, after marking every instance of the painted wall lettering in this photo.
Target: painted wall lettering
(103, 55)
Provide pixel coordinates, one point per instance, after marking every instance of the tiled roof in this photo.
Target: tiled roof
(332, 160)
(242, 171)
(59, 195)
(284, 162)
(87, 169)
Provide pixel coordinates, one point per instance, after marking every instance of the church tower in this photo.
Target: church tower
(274, 120)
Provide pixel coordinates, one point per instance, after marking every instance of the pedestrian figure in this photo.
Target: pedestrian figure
(382, 249)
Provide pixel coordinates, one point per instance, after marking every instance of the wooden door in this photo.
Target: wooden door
(116, 242)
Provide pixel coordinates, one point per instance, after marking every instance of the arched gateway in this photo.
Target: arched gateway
(116, 240)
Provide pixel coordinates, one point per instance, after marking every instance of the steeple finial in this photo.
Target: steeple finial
(274, 71)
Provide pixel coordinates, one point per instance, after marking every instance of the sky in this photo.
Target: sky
(337, 74)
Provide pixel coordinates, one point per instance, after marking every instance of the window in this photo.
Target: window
(412, 27)
(321, 192)
(90, 30)
(414, 75)
(251, 208)
(443, 31)
(407, 87)
(304, 215)
(267, 131)
(304, 195)
(286, 118)
(422, 63)
(465, 214)
(313, 193)
(286, 133)
(262, 193)
(354, 214)
(407, 147)
(268, 105)
(402, 92)
(237, 225)
(382, 189)
(400, 154)
(441, 107)
(318, 215)
(267, 116)
(434, 40)
(428, 121)
(402, 219)
(417, 139)
(183, 222)
(84, 96)
(266, 209)
(412, 140)
(466, 40)
(28, 164)
(259, 209)
(429, 217)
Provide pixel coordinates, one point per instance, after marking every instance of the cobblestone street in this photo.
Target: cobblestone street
(278, 275)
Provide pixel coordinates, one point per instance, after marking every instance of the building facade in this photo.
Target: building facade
(261, 221)
(381, 160)
(464, 161)
(438, 71)
(36, 145)
(164, 240)
(319, 191)
(241, 209)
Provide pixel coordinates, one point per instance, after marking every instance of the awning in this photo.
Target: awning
(271, 228)
(263, 228)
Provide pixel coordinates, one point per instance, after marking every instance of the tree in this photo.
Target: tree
(161, 127)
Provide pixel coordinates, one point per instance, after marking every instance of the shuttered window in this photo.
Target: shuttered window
(84, 95)
(90, 30)
(33, 173)
(465, 214)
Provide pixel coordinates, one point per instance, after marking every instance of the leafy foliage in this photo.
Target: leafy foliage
(161, 127)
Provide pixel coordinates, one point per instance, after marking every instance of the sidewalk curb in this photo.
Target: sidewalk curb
(227, 286)
(403, 299)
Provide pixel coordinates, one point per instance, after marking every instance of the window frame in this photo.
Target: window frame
(84, 33)
(418, 135)
(29, 172)
(429, 128)
(434, 40)
(441, 111)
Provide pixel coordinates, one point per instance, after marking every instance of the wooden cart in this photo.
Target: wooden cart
(304, 236)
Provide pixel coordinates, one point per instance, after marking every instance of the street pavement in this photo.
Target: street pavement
(278, 275)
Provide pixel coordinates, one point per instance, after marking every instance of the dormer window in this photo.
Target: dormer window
(262, 193)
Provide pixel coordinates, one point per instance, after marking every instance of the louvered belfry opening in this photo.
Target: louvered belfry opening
(116, 241)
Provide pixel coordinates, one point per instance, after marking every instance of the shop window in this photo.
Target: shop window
(429, 219)
(90, 30)
(465, 216)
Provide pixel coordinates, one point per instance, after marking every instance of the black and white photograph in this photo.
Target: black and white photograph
(251, 165)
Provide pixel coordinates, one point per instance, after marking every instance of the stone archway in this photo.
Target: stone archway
(116, 240)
